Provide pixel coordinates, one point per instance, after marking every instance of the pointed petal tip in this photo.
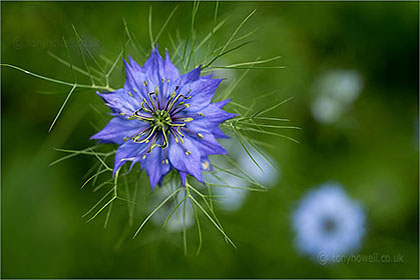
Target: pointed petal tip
(114, 171)
(152, 187)
(183, 176)
(155, 50)
(200, 179)
(131, 60)
(167, 56)
(222, 103)
(153, 182)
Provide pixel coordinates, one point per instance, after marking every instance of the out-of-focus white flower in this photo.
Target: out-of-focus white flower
(269, 172)
(227, 190)
(231, 199)
(335, 91)
(182, 217)
(328, 224)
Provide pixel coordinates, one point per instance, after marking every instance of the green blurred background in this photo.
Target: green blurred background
(371, 148)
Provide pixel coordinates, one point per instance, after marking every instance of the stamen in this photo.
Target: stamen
(148, 109)
(151, 100)
(177, 124)
(177, 137)
(187, 153)
(173, 94)
(147, 138)
(137, 116)
(178, 130)
(153, 145)
(165, 141)
(151, 148)
(186, 119)
(157, 96)
(137, 136)
(171, 97)
(129, 93)
(176, 99)
(177, 110)
(200, 135)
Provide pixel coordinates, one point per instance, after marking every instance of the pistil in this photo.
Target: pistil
(161, 120)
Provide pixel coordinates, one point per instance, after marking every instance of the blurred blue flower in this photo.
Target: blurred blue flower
(164, 120)
(328, 224)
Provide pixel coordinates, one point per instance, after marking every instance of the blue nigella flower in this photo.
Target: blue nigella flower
(328, 224)
(164, 120)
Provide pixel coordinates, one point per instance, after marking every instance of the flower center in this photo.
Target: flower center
(329, 225)
(164, 119)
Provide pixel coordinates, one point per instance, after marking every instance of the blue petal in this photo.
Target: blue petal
(160, 74)
(186, 157)
(118, 128)
(135, 77)
(183, 176)
(218, 133)
(208, 145)
(216, 115)
(222, 103)
(201, 92)
(177, 84)
(155, 168)
(209, 76)
(213, 116)
(135, 67)
(120, 101)
(154, 70)
(189, 77)
(129, 151)
(171, 72)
